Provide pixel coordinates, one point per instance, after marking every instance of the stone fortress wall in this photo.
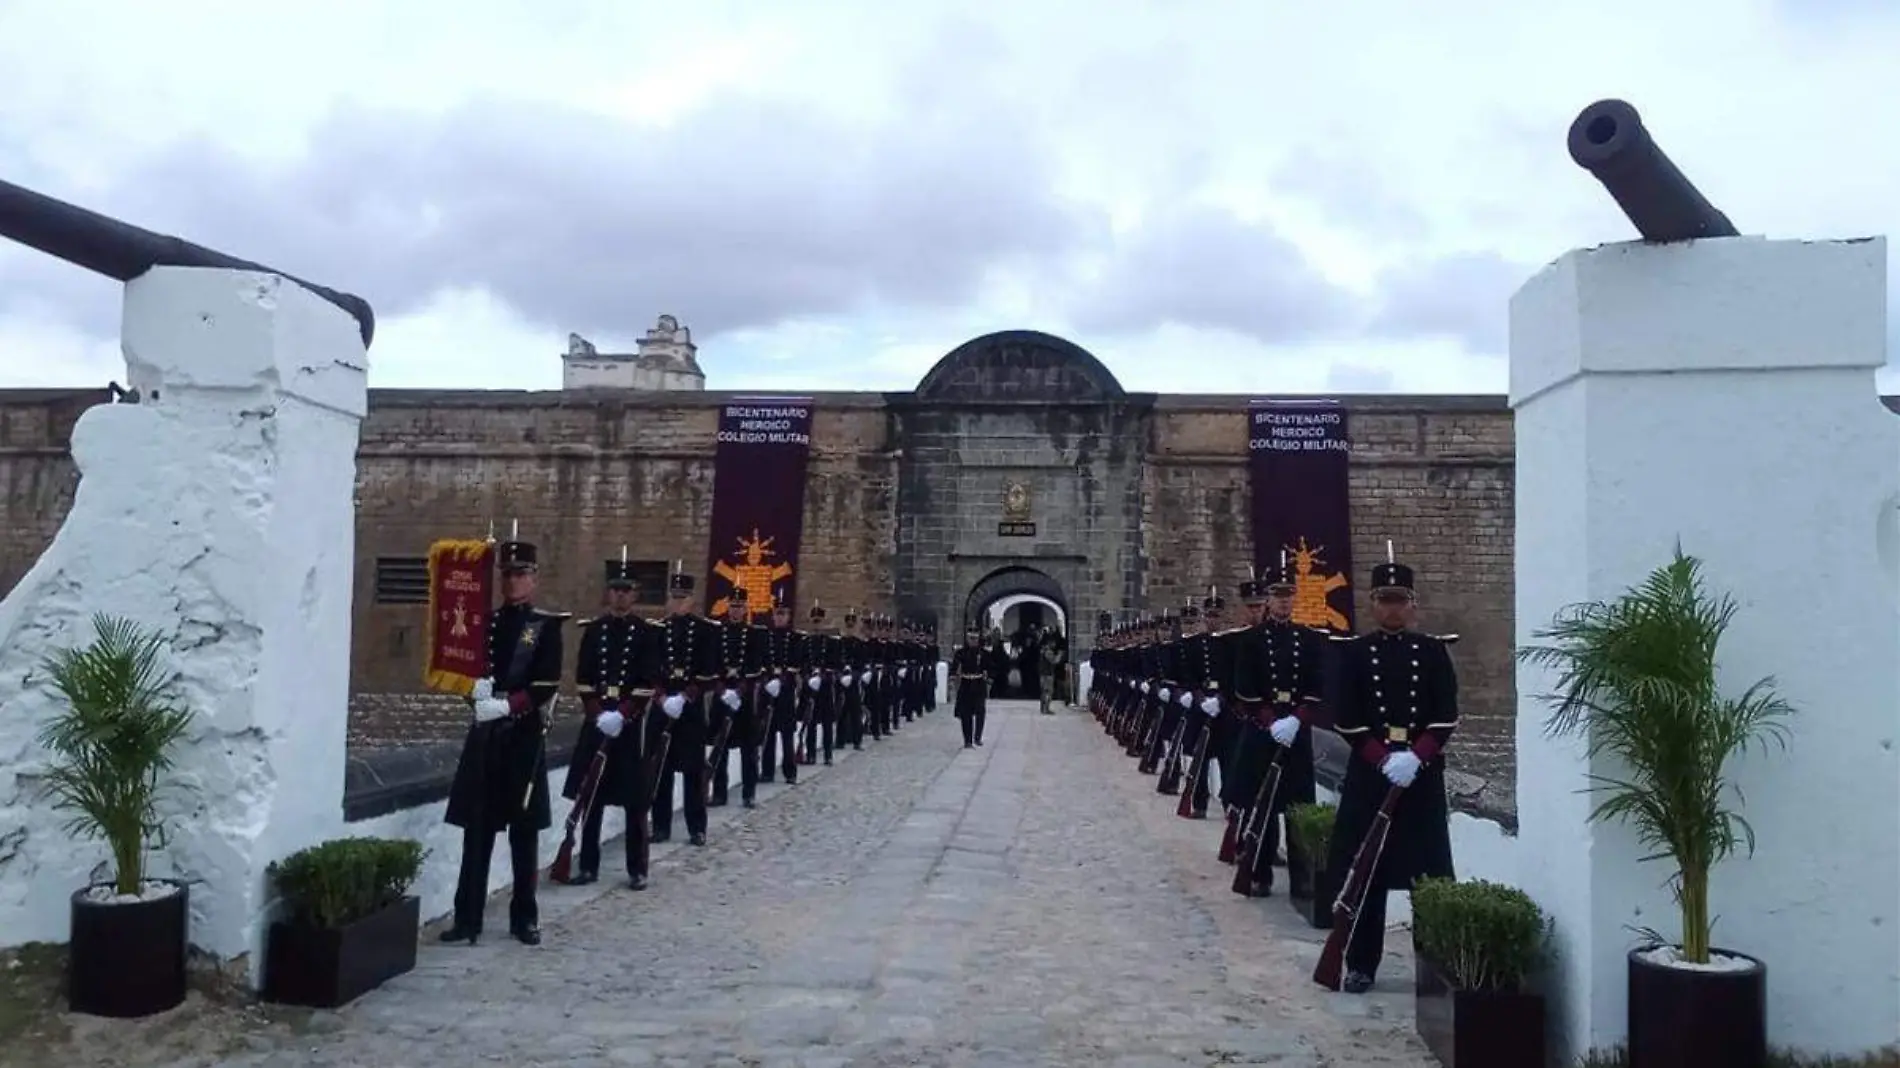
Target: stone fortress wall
(585, 470)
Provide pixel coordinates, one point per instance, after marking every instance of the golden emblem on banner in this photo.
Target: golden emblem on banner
(1015, 499)
(748, 571)
(1313, 589)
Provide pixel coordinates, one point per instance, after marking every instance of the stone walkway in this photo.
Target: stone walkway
(1032, 902)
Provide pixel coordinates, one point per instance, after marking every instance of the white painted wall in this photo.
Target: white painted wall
(1722, 392)
(218, 510)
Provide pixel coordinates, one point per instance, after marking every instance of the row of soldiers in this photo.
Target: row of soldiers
(665, 701)
(1187, 693)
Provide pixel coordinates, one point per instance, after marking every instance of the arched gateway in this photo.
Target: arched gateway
(1020, 473)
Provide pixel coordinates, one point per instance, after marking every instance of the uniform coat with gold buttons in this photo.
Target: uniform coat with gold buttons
(1396, 690)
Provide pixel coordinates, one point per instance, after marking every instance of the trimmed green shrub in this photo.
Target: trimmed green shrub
(1479, 935)
(335, 883)
(1312, 827)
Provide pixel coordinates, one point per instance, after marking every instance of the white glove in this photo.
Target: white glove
(1144, 687)
(1165, 694)
(1187, 699)
(865, 678)
(849, 678)
(772, 687)
(1211, 705)
(903, 673)
(813, 683)
(610, 723)
(673, 705)
(490, 709)
(484, 689)
(1285, 729)
(731, 700)
(1401, 768)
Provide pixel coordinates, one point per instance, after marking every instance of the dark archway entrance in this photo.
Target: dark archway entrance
(1014, 658)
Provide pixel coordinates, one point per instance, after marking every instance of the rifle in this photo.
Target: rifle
(1196, 770)
(563, 867)
(1247, 860)
(716, 760)
(1352, 894)
(807, 704)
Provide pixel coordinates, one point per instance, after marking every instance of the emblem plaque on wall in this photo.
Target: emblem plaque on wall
(1016, 521)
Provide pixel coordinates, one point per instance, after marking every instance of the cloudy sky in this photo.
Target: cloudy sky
(1211, 195)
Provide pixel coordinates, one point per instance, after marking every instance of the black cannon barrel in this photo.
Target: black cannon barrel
(1609, 140)
(119, 250)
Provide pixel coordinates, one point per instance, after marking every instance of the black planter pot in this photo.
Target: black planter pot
(1477, 1028)
(325, 967)
(128, 960)
(1299, 877)
(1681, 1018)
(1317, 906)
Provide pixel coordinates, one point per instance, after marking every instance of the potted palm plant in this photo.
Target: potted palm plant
(351, 924)
(1477, 945)
(1636, 679)
(1309, 828)
(110, 745)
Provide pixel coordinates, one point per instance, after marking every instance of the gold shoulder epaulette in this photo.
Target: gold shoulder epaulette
(588, 622)
(1448, 639)
(560, 616)
(1330, 636)
(1230, 630)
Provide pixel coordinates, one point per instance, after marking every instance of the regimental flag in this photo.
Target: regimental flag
(758, 509)
(1299, 463)
(461, 590)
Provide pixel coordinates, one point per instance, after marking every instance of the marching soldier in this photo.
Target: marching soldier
(741, 651)
(1277, 682)
(1101, 674)
(688, 662)
(501, 778)
(973, 680)
(1397, 707)
(612, 676)
(784, 665)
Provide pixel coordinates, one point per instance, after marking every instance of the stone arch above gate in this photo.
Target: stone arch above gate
(1019, 366)
(1005, 581)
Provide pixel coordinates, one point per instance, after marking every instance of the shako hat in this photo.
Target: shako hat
(1392, 578)
(518, 556)
(817, 612)
(738, 596)
(619, 575)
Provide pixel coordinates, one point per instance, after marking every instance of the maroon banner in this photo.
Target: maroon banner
(758, 509)
(1298, 459)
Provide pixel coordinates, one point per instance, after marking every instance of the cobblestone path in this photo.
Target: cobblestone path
(1032, 902)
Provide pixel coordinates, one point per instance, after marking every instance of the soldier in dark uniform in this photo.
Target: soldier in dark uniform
(852, 718)
(1397, 706)
(741, 652)
(828, 654)
(971, 673)
(1278, 685)
(501, 779)
(933, 655)
(689, 660)
(1100, 676)
(1207, 677)
(1163, 713)
(814, 684)
(784, 672)
(612, 677)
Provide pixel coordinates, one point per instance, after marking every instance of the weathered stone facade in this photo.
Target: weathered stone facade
(1137, 500)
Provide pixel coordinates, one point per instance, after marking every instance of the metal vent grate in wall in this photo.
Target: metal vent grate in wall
(402, 580)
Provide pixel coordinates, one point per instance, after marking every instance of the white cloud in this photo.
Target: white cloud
(1208, 196)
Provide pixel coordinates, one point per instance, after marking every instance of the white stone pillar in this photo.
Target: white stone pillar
(219, 509)
(1722, 392)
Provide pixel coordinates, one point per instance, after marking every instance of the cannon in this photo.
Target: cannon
(1609, 140)
(121, 251)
